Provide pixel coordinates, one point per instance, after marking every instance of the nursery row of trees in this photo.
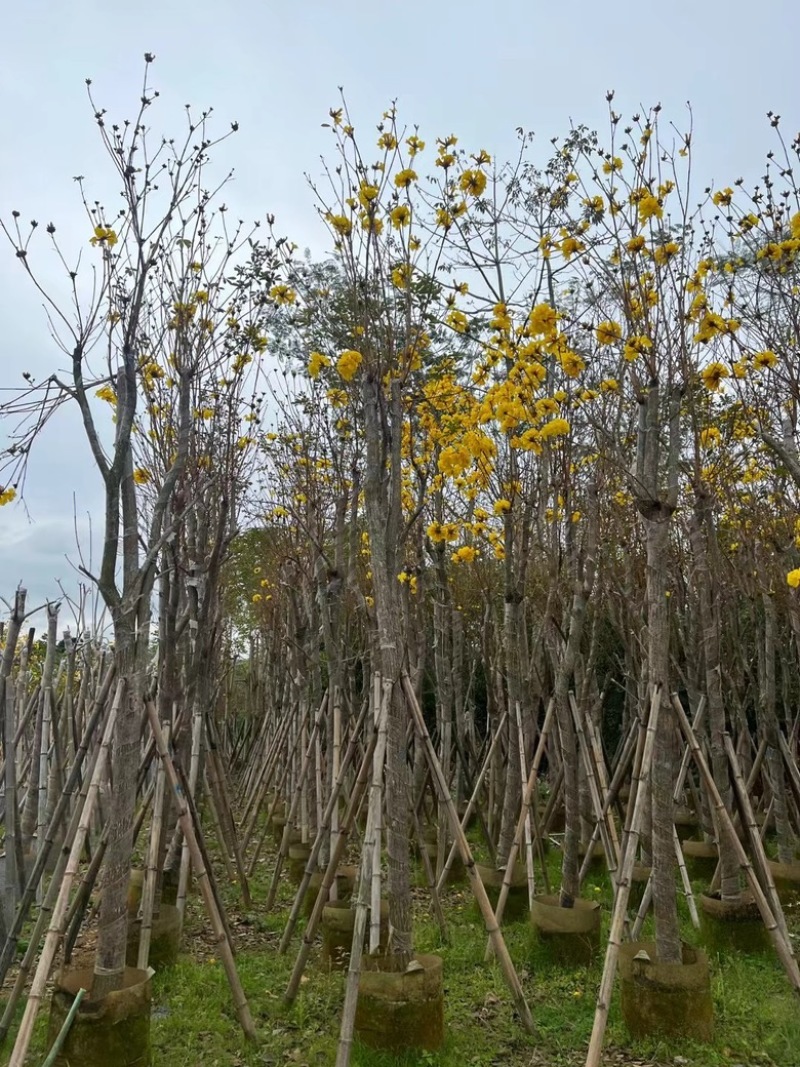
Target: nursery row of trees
(522, 447)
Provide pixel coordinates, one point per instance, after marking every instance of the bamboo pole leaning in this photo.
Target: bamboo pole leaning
(362, 904)
(623, 887)
(359, 789)
(532, 779)
(781, 943)
(151, 868)
(56, 928)
(294, 808)
(224, 947)
(492, 928)
(473, 800)
(341, 841)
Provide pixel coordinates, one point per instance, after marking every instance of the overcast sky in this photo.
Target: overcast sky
(475, 69)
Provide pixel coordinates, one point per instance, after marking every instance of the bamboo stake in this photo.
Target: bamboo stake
(223, 944)
(526, 810)
(623, 888)
(151, 869)
(194, 773)
(761, 863)
(781, 946)
(490, 922)
(61, 1036)
(341, 841)
(511, 860)
(328, 877)
(685, 880)
(55, 930)
(473, 800)
(296, 803)
(11, 828)
(604, 822)
(376, 811)
(362, 906)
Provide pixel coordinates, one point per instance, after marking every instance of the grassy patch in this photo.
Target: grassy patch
(757, 1020)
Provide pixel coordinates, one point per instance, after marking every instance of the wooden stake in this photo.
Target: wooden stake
(781, 946)
(56, 928)
(623, 889)
(492, 928)
(223, 945)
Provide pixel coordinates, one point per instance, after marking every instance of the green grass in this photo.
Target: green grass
(757, 1016)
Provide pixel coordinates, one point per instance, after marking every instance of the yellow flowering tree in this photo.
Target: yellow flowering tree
(148, 330)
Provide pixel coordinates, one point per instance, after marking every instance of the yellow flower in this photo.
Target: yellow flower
(542, 320)
(257, 598)
(472, 182)
(404, 178)
(241, 362)
(141, 476)
(763, 360)
(283, 294)
(571, 363)
(367, 193)
(465, 554)
(414, 145)
(611, 165)
(635, 347)
(608, 332)
(106, 393)
(372, 223)
(609, 385)
(570, 246)
(401, 275)
(502, 506)
(348, 364)
(340, 223)
(636, 244)
(400, 216)
(793, 578)
(316, 361)
(388, 141)
(554, 428)
(713, 376)
(7, 495)
(444, 218)
(457, 321)
(664, 253)
(649, 208)
(722, 197)
(710, 437)
(103, 235)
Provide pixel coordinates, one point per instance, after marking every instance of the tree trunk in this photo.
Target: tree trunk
(668, 941)
(113, 923)
(701, 533)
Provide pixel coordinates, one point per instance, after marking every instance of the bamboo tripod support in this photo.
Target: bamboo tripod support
(295, 805)
(492, 927)
(776, 931)
(473, 800)
(623, 888)
(9, 948)
(364, 885)
(340, 843)
(56, 928)
(224, 948)
(330, 873)
(526, 805)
